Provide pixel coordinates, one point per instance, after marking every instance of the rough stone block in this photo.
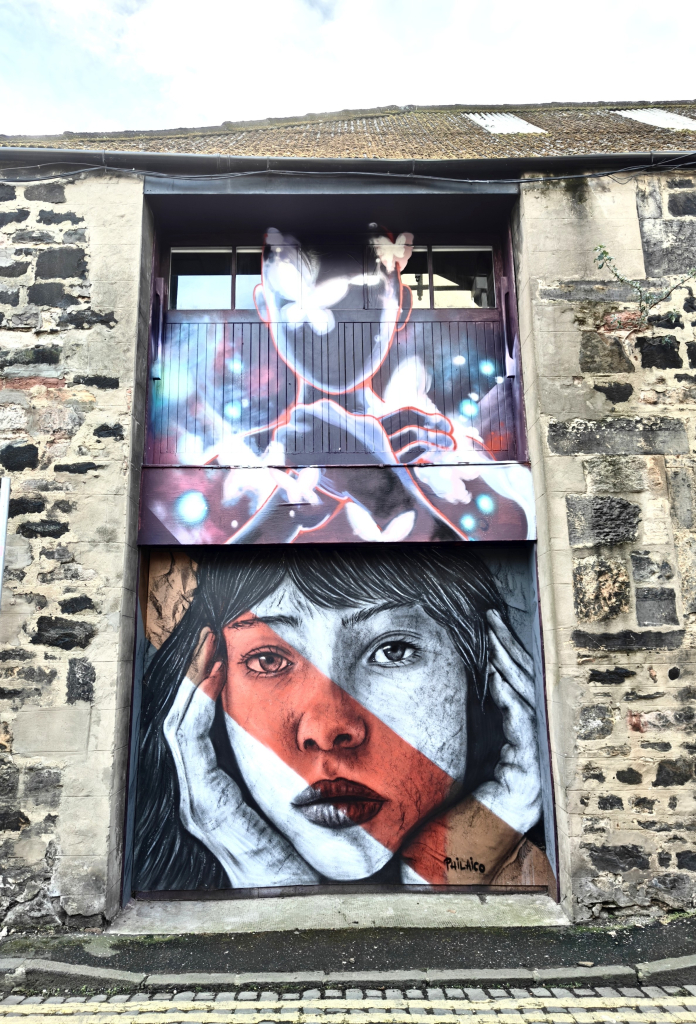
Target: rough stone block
(15, 457)
(63, 633)
(13, 269)
(596, 722)
(629, 640)
(681, 496)
(12, 217)
(45, 355)
(43, 528)
(61, 263)
(610, 676)
(81, 679)
(51, 293)
(656, 435)
(601, 520)
(81, 318)
(617, 859)
(602, 353)
(615, 391)
(46, 192)
(656, 606)
(97, 381)
(649, 200)
(59, 217)
(674, 773)
(610, 474)
(7, 193)
(32, 237)
(601, 588)
(668, 245)
(609, 803)
(666, 320)
(645, 568)
(682, 204)
(661, 352)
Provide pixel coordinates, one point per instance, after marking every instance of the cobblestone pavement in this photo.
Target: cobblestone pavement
(381, 1006)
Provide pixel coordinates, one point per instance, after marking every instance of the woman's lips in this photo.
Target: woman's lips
(338, 803)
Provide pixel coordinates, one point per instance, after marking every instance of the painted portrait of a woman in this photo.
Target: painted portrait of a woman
(339, 715)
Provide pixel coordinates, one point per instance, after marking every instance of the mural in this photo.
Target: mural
(338, 714)
(331, 414)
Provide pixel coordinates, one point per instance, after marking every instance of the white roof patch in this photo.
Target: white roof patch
(658, 118)
(505, 124)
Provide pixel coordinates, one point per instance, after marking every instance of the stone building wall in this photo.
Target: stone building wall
(611, 432)
(72, 305)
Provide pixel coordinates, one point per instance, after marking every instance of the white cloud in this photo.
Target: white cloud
(110, 64)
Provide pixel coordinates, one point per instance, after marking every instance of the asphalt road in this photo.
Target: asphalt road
(368, 949)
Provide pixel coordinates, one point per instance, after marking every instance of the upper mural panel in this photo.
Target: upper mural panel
(332, 361)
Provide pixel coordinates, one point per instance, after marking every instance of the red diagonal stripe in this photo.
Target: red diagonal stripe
(322, 732)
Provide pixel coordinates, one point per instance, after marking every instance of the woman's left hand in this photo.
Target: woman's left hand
(515, 793)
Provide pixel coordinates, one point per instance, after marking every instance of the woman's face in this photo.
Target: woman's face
(349, 725)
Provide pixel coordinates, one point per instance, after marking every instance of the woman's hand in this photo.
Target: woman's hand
(515, 795)
(211, 805)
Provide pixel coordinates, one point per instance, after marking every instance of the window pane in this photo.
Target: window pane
(415, 275)
(201, 280)
(463, 278)
(248, 276)
(336, 278)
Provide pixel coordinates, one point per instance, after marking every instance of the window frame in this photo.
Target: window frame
(428, 247)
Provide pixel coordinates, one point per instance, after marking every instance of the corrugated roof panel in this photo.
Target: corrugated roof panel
(659, 118)
(505, 124)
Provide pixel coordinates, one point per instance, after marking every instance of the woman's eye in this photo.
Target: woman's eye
(267, 662)
(394, 653)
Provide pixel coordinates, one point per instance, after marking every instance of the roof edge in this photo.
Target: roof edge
(335, 115)
(76, 161)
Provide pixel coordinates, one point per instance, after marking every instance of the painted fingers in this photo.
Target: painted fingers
(515, 793)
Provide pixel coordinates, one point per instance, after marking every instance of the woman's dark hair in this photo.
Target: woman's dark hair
(450, 583)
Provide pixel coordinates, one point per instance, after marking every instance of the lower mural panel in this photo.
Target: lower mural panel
(336, 504)
(343, 714)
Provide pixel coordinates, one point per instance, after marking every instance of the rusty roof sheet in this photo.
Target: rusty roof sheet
(393, 133)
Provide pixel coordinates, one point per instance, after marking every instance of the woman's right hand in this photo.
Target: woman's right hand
(211, 806)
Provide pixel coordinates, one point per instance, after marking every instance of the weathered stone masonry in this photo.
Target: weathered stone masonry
(71, 407)
(612, 433)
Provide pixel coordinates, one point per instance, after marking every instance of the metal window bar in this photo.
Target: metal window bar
(220, 382)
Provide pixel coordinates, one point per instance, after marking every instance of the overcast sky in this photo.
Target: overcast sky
(91, 65)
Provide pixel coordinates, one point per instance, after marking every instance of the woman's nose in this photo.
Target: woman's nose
(332, 722)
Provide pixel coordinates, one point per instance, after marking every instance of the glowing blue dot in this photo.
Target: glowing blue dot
(485, 503)
(499, 380)
(236, 365)
(192, 508)
(468, 408)
(488, 368)
(459, 360)
(467, 523)
(233, 410)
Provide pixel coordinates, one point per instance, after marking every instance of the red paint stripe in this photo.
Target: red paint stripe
(322, 732)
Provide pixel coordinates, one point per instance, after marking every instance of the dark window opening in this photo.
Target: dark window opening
(201, 280)
(462, 278)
